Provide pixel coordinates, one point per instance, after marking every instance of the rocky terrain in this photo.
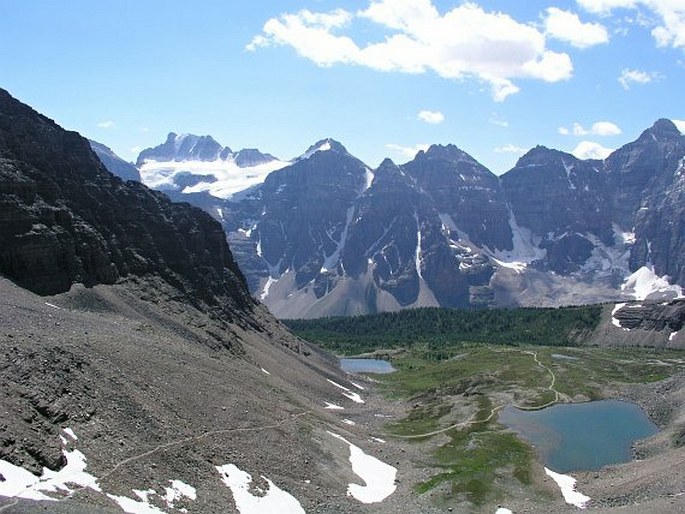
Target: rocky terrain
(442, 230)
(145, 364)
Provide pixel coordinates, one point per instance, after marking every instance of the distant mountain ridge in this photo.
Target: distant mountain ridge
(326, 234)
(190, 163)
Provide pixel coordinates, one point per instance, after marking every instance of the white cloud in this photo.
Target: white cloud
(591, 150)
(680, 124)
(465, 42)
(408, 152)
(599, 128)
(509, 148)
(629, 77)
(496, 120)
(667, 30)
(566, 26)
(106, 124)
(431, 117)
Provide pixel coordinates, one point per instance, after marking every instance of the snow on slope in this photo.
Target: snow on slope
(525, 250)
(227, 178)
(378, 477)
(645, 283)
(567, 484)
(270, 501)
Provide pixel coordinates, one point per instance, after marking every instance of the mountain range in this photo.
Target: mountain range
(324, 234)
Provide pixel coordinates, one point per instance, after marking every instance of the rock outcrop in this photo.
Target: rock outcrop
(65, 219)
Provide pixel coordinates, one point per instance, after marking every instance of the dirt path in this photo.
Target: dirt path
(171, 444)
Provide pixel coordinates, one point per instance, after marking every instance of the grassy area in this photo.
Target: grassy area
(482, 378)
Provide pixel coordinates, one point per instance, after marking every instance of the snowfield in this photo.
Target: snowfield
(378, 477)
(225, 178)
(272, 501)
(567, 484)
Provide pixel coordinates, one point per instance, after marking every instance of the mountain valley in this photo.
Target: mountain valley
(138, 373)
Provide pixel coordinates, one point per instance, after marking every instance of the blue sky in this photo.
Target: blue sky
(382, 76)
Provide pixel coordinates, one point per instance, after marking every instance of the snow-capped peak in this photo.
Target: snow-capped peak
(325, 145)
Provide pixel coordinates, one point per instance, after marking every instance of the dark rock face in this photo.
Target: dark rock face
(652, 316)
(648, 179)
(65, 219)
(554, 192)
(115, 164)
(308, 207)
(465, 190)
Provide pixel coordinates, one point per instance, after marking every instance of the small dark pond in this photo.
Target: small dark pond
(366, 366)
(581, 436)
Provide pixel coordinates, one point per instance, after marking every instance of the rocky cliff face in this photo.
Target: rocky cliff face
(443, 230)
(66, 219)
(327, 235)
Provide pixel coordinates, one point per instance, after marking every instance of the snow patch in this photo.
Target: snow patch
(614, 321)
(347, 393)
(673, 336)
(20, 483)
(178, 491)
(568, 169)
(323, 147)
(368, 179)
(332, 260)
(70, 433)
(333, 406)
(361, 388)
(265, 371)
(502, 510)
(348, 422)
(272, 501)
(417, 256)
(645, 283)
(621, 236)
(525, 250)
(567, 484)
(378, 476)
(142, 506)
(265, 292)
(53, 305)
(378, 440)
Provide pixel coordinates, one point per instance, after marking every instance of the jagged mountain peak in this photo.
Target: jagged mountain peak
(185, 147)
(663, 130)
(541, 155)
(447, 152)
(325, 145)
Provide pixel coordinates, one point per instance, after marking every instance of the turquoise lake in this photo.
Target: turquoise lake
(581, 436)
(366, 366)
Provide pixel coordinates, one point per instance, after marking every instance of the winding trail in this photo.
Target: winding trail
(203, 435)
(14, 501)
(472, 421)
